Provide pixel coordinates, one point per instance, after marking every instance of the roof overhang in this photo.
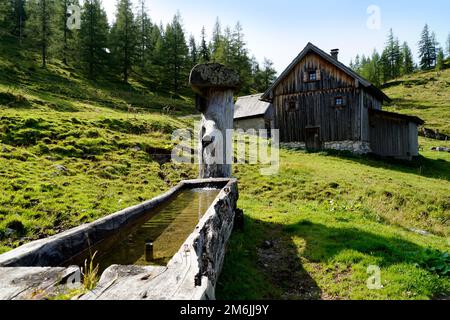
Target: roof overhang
(268, 95)
(397, 116)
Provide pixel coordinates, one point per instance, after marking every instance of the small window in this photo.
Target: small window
(339, 102)
(312, 76)
(292, 106)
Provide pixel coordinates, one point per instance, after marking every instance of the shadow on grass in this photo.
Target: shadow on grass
(254, 272)
(422, 166)
(262, 263)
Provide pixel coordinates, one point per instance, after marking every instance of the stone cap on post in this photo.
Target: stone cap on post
(213, 75)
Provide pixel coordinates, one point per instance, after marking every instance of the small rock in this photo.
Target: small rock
(9, 232)
(137, 148)
(267, 244)
(66, 184)
(418, 231)
(61, 168)
(5, 150)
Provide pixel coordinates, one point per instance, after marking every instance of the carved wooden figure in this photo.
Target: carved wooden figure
(214, 85)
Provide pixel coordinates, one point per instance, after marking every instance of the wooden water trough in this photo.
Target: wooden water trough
(36, 270)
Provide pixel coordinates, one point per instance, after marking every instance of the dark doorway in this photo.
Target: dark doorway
(313, 140)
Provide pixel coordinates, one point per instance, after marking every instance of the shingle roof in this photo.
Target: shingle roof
(250, 106)
(312, 48)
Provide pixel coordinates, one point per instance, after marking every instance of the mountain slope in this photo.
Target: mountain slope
(423, 94)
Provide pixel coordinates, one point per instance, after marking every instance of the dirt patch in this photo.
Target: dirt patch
(279, 261)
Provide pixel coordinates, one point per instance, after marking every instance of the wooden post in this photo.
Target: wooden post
(214, 85)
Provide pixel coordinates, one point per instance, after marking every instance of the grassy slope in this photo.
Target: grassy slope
(330, 215)
(426, 94)
(69, 150)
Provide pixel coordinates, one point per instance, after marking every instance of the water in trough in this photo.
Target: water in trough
(165, 227)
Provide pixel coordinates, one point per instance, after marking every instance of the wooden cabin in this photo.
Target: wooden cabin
(252, 113)
(320, 103)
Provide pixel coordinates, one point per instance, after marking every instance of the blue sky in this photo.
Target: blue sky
(279, 29)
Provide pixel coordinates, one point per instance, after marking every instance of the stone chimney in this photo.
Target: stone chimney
(335, 53)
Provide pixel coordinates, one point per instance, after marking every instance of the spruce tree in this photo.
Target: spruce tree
(177, 52)
(448, 46)
(204, 50)
(124, 38)
(66, 38)
(40, 27)
(193, 51)
(391, 58)
(269, 74)
(408, 60)
(94, 38)
(159, 58)
(239, 57)
(372, 69)
(145, 41)
(18, 19)
(440, 60)
(12, 18)
(6, 10)
(427, 49)
(216, 41)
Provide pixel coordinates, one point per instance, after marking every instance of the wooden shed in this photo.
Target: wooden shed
(394, 135)
(320, 103)
(252, 113)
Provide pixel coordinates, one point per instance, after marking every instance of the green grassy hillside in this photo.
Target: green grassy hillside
(329, 216)
(70, 152)
(73, 150)
(424, 94)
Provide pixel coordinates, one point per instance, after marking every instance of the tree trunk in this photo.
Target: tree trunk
(213, 140)
(44, 34)
(65, 34)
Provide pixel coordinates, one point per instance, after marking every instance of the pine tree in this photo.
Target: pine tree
(124, 38)
(177, 52)
(204, 50)
(239, 59)
(434, 48)
(159, 58)
(352, 65)
(440, 60)
(448, 46)
(65, 38)
(269, 74)
(145, 42)
(40, 26)
(372, 69)
(6, 10)
(391, 58)
(385, 66)
(408, 60)
(94, 37)
(427, 49)
(12, 18)
(18, 18)
(216, 41)
(193, 52)
(224, 52)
